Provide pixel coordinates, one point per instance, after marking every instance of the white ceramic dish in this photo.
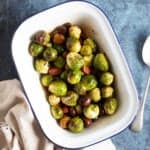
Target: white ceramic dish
(96, 24)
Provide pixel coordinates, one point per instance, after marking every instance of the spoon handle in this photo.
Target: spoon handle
(137, 124)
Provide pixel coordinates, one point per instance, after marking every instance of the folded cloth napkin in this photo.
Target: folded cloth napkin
(18, 128)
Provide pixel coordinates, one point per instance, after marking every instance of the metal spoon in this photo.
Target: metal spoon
(137, 124)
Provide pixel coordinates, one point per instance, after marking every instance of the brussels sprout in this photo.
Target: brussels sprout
(53, 99)
(74, 61)
(35, 49)
(63, 122)
(73, 44)
(106, 78)
(80, 89)
(78, 109)
(86, 50)
(56, 112)
(75, 31)
(107, 91)
(58, 88)
(46, 79)
(41, 66)
(91, 111)
(64, 75)
(95, 94)
(90, 42)
(60, 49)
(42, 38)
(50, 54)
(89, 82)
(76, 125)
(110, 106)
(101, 62)
(74, 76)
(59, 62)
(88, 60)
(70, 99)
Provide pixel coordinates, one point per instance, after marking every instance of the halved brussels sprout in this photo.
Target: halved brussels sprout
(95, 95)
(46, 79)
(80, 89)
(70, 99)
(76, 125)
(35, 49)
(101, 62)
(56, 112)
(75, 31)
(74, 61)
(41, 66)
(74, 76)
(90, 42)
(59, 62)
(88, 60)
(53, 99)
(50, 54)
(110, 106)
(107, 92)
(73, 44)
(86, 50)
(106, 78)
(91, 111)
(58, 87)
(89, 82)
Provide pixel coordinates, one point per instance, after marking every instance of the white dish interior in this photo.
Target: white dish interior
(97, 26)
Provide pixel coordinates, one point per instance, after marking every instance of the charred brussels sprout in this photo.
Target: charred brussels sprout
(74, 61)
(70, 99)
(110, 106)
(106, 78)
(73, 44)
(76, 125)
(35, 49)
(58, 87)
(56, 112)
(75, 31)
(95, 94)
(91, 111)
(46, 79)
(101, 62)
(41, 66)
(50, 54)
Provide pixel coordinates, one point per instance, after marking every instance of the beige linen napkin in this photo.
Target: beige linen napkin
(18, 128)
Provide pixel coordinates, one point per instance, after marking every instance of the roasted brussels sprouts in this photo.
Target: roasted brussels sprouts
(63, 122)
(91, 111)
(106, 78)
(74, 76)
(46, 79)
(76, 125)
(110, 106)
(73, 44)
(59, 62)
(42, 38)
(56, 112)
(35, 49)
(101, 62)
(74, 61)
(58, 87)
(70, 99)
(90, 42)
(86, 50)
(41, 66)
(107, 92)
(80, 89)
(53, 99)
(60, 48)
(50, 54)
(64, 75)
(95, 95)
(88, 60)
(89, 82)
(75, 31)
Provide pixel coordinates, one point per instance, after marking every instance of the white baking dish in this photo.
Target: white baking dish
(96, 24)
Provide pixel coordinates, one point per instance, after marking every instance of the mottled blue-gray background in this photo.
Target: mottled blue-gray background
(131, 22)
